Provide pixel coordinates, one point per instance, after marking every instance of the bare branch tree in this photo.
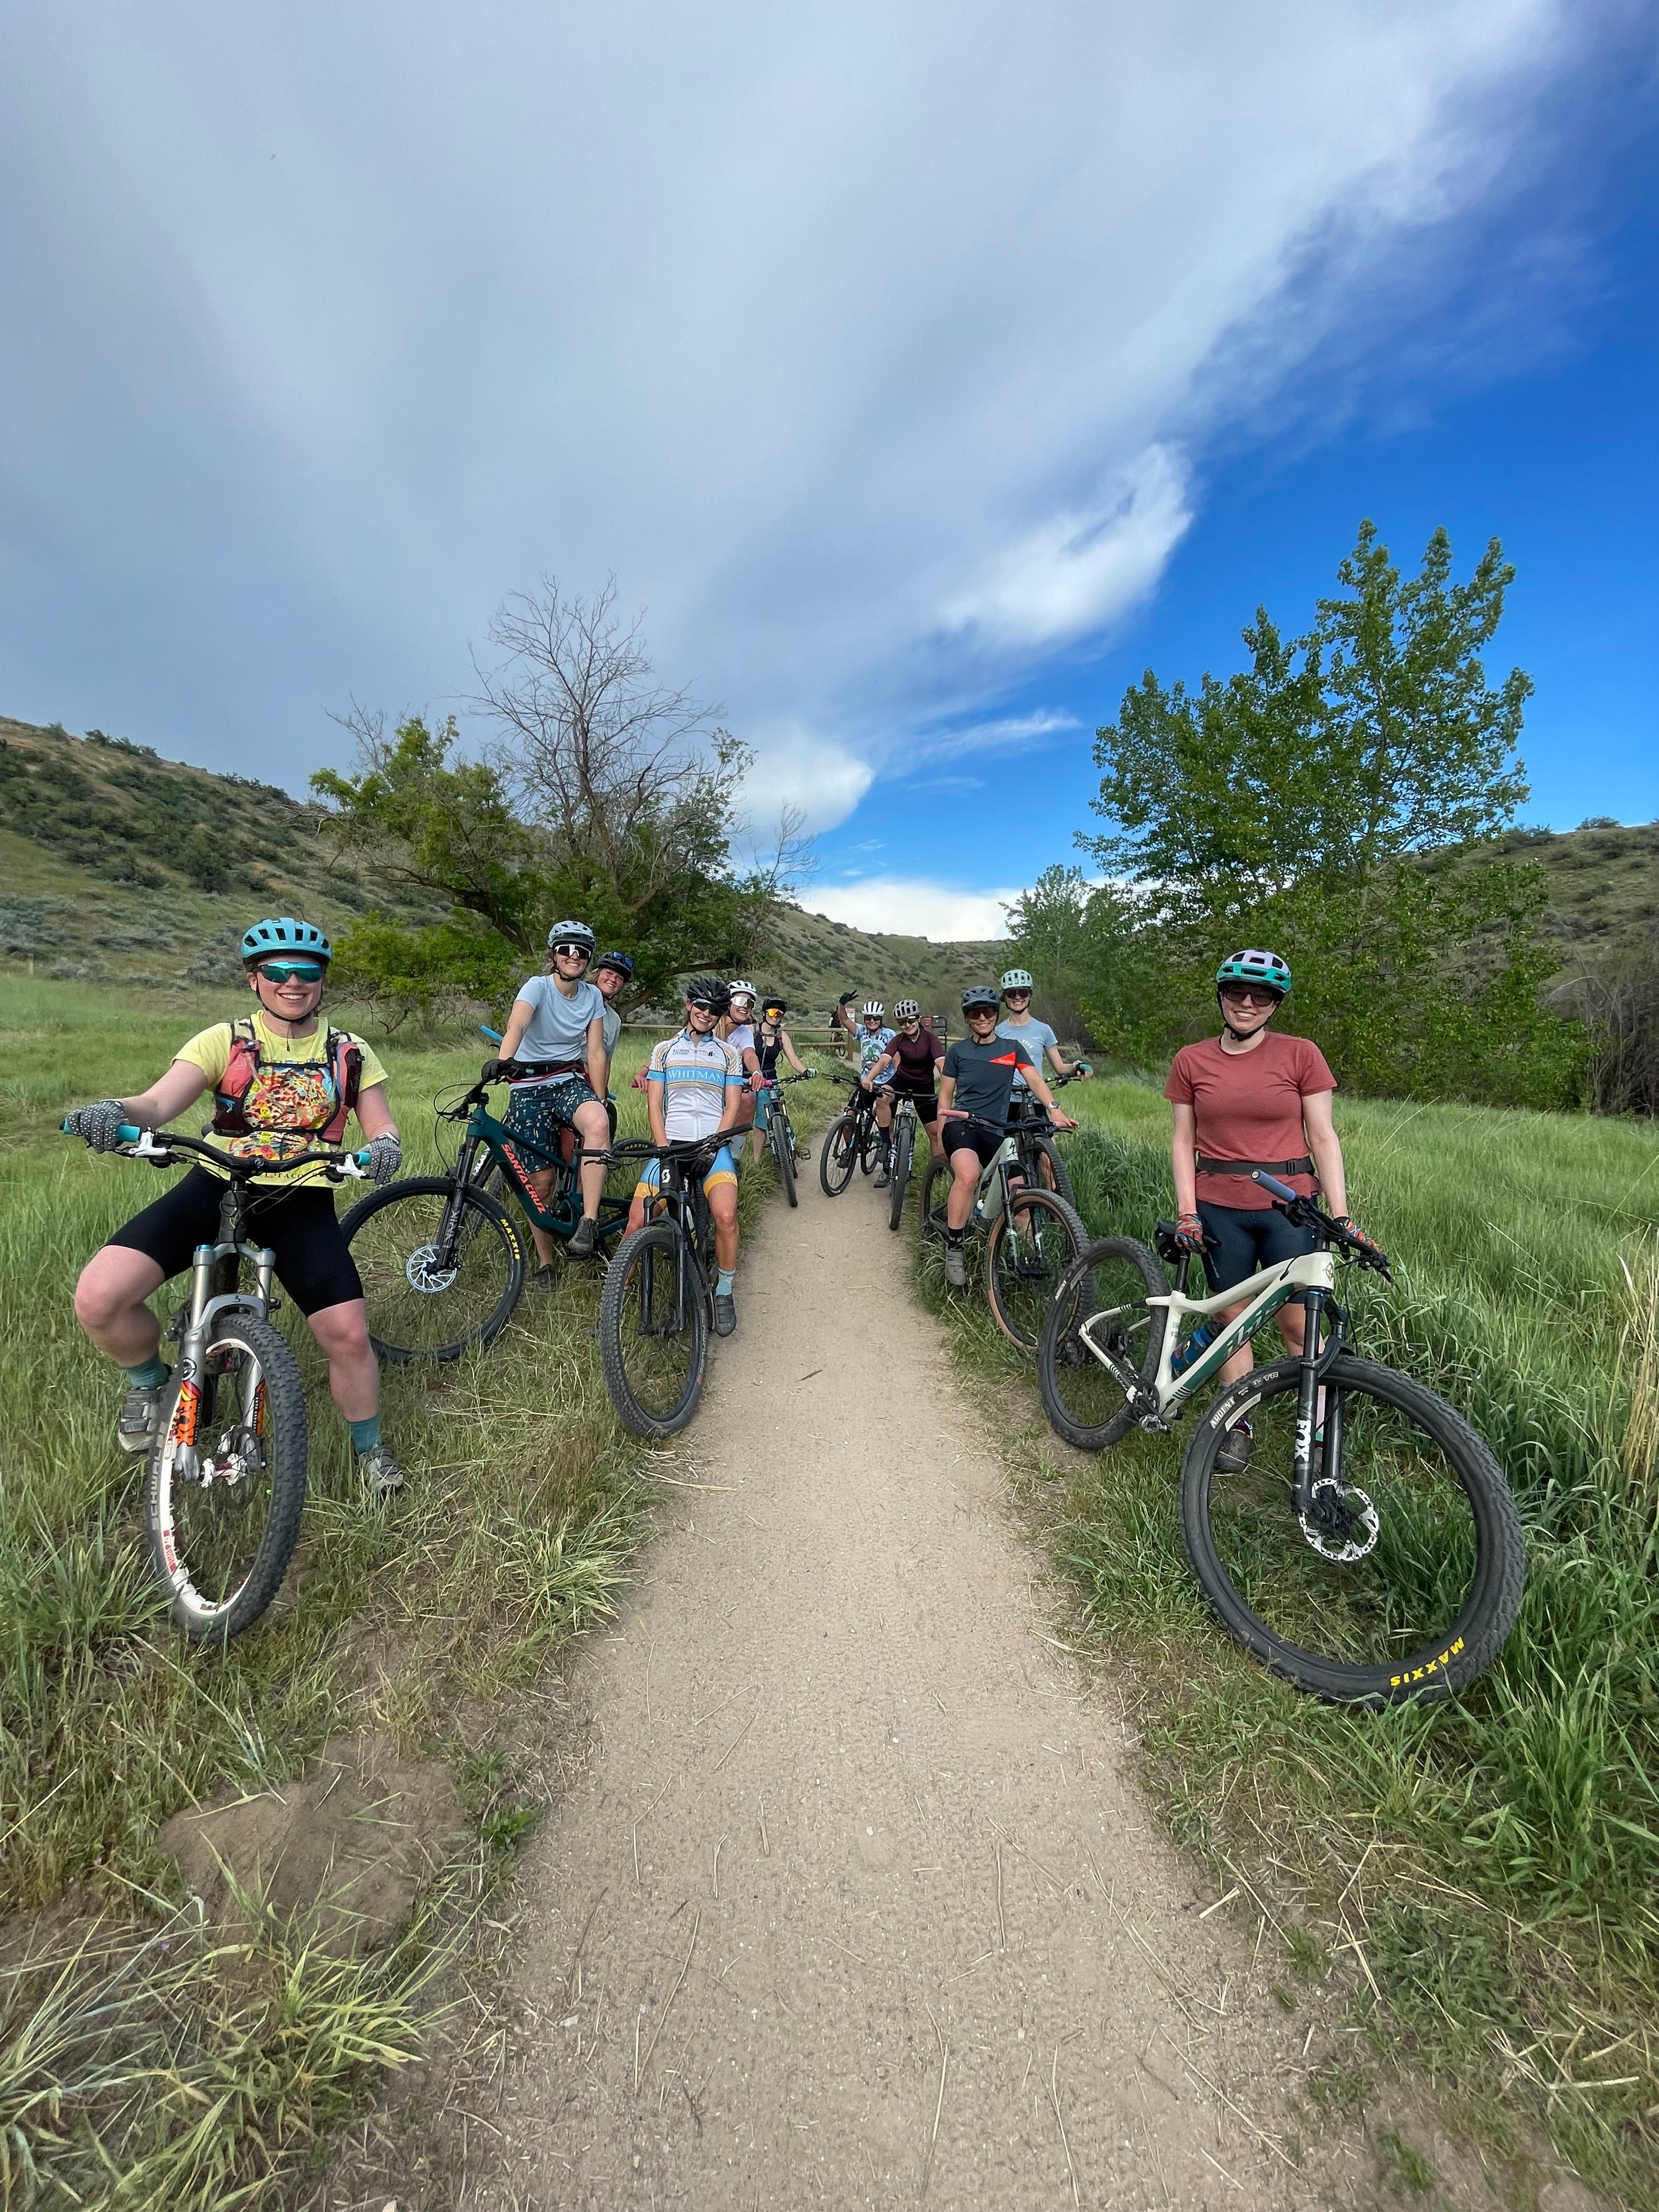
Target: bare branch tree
(780, 865)
(615, 765)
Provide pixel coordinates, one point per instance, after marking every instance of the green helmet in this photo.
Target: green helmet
(1252, 967)
(1017, 978)
(282, 933)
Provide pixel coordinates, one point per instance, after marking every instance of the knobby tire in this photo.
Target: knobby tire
(1083, 1400)
(645, 1266)
(412, 1314)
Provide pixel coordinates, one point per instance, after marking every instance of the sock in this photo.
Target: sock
(953, 1237)
(724, 1281)
(154, 1371)
(365, 1434)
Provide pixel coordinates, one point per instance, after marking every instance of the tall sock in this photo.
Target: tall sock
(953, 1237)
(365, 1434)
(724, 1281)
(146, 1377)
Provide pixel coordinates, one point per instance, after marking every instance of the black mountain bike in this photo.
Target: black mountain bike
(1031, 1236)
(225, 1478)
(780, 1131)
(1369, 1548)
(1040, 1156)
(443, 1261)
(901, 1154)
(657, 1309)
(854, 1139)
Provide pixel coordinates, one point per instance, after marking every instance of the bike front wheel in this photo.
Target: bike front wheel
(442, 1264)
(874, 1144)
(838, 1155)
(783, 1152)
(225, 1484)
(904, 1146)
(935, 1198)
(1101, 1306)
(654, 1331)
(1405, 1576)
(1033, 1244)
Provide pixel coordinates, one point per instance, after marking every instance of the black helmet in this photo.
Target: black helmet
(981, 995)
(619, 961)
(707, 991)
(772, 1004)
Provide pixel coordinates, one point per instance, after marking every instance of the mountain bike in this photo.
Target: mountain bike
(657, 1308)
(901, 1154)
(1369, 1548)
(854, 1139)
(1040, 1156)
(442, 1258)
(1032, 1237)
(772, 1121)
(225, 1476)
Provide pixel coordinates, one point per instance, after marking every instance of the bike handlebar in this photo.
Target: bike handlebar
(1310, 1212)
(158, 1148)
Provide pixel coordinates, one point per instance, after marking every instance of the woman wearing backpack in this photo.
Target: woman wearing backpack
(283, 1081)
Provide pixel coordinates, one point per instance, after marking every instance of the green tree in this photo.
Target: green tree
(1328, 799)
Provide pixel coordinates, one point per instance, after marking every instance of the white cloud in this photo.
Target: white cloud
(864, 344)
(1082, 568)
(911, 906)
(794, 767)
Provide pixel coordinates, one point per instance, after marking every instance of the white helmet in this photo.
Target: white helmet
(1017, 978)
(741, 990)
(870, 1007)
(906, 1010)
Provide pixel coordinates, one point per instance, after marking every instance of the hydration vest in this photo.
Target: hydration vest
(342, 1058)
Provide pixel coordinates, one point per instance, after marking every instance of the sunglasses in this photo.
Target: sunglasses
(981, 1014)
(1016, 994)
(1235, 997)
(573, 952)
(291, 971)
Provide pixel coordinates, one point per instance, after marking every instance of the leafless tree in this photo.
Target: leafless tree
(623, 771)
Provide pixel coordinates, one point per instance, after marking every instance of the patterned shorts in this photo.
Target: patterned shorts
(540, 1112)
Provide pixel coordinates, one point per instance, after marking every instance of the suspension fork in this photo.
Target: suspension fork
(1316, 1358)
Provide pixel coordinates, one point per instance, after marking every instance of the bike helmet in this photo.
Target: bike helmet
(981, 995)
(772, 1004)
(907, 1011)
(1017, 978)
(282, 933)
(570, 933)
(707, 991)
(619, 961)
(741, 990)
(1252, 967)
(871, 1007)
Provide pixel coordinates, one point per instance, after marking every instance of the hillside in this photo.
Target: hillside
(116, 864)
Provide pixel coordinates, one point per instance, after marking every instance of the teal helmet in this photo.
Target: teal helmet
(282, 933)
(1254, 967)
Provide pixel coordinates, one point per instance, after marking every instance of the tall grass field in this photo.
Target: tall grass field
(143, 2064)
(1486, 1870)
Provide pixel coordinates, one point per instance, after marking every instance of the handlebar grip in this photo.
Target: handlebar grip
(128, 1135)
(1273, 1186)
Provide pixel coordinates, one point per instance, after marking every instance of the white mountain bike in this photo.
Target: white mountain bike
(1368, 1547)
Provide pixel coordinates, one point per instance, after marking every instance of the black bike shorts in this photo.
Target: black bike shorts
(975, 1136)
(313, 1261)
(1248, 1238)
(925, 1102)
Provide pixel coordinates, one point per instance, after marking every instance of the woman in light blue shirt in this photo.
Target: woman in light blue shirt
(557, 1027)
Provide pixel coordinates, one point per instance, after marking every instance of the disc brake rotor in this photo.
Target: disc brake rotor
(1341, 1525)
(423, 1273)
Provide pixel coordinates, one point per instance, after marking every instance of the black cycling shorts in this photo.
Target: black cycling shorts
(313, 1262)
(976, 1137)
(925, 1102)
(1248, 1238)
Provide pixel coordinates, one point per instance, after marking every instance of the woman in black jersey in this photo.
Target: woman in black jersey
(911, 1065)
(771, 1040)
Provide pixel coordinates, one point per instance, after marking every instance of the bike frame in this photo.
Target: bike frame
(680, 1198)
(558, 1218)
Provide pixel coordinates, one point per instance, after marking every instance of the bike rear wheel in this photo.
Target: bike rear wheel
(429, 1298)
(783, 1151)
(838, 1155)
(872, 1146)
(1032, 1245)
(225, 1484)
(1047, 1167)
(904, 1146)
(1408, 1574)
(1101, 1301)
(654, 1331)
(935, 1198)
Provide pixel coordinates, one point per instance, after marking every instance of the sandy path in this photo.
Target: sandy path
(883, 1837)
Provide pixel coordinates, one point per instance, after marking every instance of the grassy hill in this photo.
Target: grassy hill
(121, 867)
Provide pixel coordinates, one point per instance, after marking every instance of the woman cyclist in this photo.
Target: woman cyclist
(283, 1081)
(973, 1105)
(557, 1027)
(1250, 1098)
(911, 1065)
(738, 1030)
(772, 1041)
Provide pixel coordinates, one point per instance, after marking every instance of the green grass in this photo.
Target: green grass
(1497, 1857)
(524, 1502)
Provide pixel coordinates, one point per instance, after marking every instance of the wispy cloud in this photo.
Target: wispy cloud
(912, 906)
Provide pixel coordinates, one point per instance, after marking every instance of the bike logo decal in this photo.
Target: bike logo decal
(1431, 1667)
(182, 1430)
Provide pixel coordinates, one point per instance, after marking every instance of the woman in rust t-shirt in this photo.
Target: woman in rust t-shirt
(1251, 1099)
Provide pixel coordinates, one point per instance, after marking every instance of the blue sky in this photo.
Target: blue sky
(924, 381)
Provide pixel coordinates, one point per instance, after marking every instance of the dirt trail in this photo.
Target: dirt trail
(849, 1901)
